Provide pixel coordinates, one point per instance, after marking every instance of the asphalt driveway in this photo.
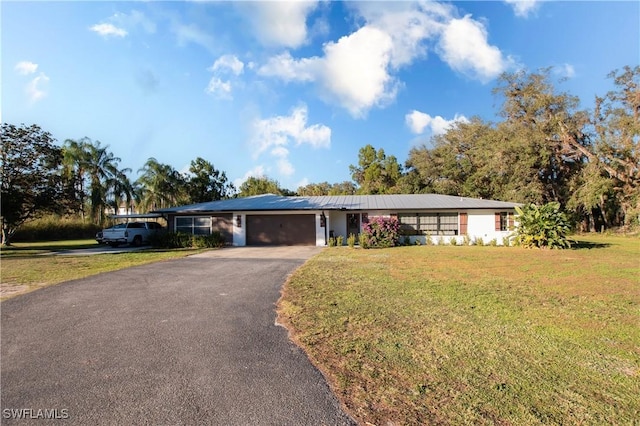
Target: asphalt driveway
(187, 341)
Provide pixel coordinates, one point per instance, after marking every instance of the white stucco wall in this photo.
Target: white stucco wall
(239, 233)
(337, 223)
(320, 231)
(482, 225)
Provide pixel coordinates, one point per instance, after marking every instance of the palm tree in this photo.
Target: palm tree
(93, 165)
(75, 163)
(162, 186)
(103, 173)
(121, 189)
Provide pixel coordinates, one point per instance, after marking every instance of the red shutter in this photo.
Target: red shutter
(463, 223)
(497, 216)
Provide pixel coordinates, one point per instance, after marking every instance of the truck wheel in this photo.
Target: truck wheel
(137, 240)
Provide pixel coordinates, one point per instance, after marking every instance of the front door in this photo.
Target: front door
(353, 224)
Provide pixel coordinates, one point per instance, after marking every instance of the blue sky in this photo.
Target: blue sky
(290, 90)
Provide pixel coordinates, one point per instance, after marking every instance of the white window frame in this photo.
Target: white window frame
(192, 228)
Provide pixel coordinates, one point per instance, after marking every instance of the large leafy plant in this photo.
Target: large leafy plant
(381, 232)
(543, 226)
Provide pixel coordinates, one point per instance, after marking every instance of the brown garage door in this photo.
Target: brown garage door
(289, 230)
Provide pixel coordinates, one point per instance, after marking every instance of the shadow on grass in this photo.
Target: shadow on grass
(580, 245)
(36, 248)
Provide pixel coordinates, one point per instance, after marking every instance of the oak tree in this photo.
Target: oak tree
(30, 176)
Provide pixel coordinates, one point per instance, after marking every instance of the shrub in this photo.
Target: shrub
(466, 241)
(478, 241)
(406, 241)
(382, 232)
(184, 240)
(506, 241)
(453, 241)
(493, 242)
(351, 241)
(544, 226)
(214, 240)
(362, 240)
(332, 242)
(53, 228)
(339, 240)
(428, 240)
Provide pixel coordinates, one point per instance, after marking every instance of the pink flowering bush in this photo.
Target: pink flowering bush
(381, 232)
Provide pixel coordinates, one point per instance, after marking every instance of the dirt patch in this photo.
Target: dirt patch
(7, 290)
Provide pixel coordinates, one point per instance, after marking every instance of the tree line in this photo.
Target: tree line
(545, 149)
(83, 177)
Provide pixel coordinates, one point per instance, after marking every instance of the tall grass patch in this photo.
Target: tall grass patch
(475, 335)
(54, 228)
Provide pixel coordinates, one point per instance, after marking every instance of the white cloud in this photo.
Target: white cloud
(355, 70)
(280, 151)
(285, 67)
(26, 67)
(280, 23)
(120, 24)
(277, 133)
(280, 131)
(218, 88)
(191, 33)
(352, 72)
(107, 30)
(36, 89)
(464, 46)
(565, 70)
(285, 168)
(419, 121)
(135, 19)
(358, 71)
(303, 182)
(523, 8)
(258, 172)
(409, 24)
(226, 63)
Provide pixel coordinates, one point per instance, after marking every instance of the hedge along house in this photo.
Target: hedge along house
(278, 220)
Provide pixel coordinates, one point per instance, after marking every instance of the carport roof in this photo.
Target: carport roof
(396, 202)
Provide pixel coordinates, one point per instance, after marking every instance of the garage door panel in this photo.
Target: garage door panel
(281, 229)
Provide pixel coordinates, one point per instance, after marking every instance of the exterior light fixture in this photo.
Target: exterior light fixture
(239, 221)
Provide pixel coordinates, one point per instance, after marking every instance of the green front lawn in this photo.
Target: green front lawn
(28, 266)
(475, 335)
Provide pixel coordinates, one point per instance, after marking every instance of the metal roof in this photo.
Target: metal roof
(395, 202)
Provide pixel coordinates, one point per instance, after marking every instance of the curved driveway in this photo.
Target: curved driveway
(188, 341)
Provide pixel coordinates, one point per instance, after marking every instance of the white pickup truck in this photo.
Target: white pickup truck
(133, 233)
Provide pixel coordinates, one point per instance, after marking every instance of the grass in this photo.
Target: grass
(475, 335)
(28, 266)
